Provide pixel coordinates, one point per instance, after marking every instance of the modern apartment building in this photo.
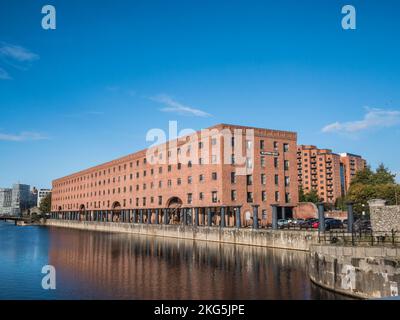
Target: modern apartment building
(326, 172)
(350, 164)
(319, 169)
(225, 165)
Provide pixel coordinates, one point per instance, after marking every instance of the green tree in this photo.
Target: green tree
(384, 176)
(311, 196)
(45, 204)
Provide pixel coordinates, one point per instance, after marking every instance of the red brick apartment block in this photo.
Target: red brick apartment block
(225, 165)
(327, 172)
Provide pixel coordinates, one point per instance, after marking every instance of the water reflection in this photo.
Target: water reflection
(119, 266)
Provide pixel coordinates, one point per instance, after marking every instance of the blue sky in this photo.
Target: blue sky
(89, 91)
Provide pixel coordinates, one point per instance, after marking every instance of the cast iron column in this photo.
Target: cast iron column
(148, 216)
(222, 223)
(196, 217)
(209, 216)
(255, 216)
(140, 215)
(165, 216)
(238, 217)
(274, 216)
(156, 216)
(321, 217)
(350, 216)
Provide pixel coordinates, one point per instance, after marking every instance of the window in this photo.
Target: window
(200, 161)
(263, 179)
(200, 145)
(264, 214)
(160, 170)
(169, 168)
(232, 159)
(287, 181)
(169, 183)
(179, 166)
(201, 195)
(276, 162)
(159, 200)
(189, 198)
(233, 195)
(249, 163)
(214, 176)
(160, 184)
(213, 159)
(249, 197)
(179, 181)
(214, 197)
(286, 164)
(277, 180)
(262, 144)
(287, 197)
(190, 180)
(249, 179)
(201, 177)
(233, 177)
(144, 201)
(285, 147)
(189, 164)
(276, 195)
(213, 141)
(263, 195)
(275, 145)
(248, 144)
(151, 199)
(262, 160)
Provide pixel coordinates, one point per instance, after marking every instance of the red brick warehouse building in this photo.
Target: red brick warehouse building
(224, 170)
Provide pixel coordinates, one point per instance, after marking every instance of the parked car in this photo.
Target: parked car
(307, 223)
(315, 224)
(362, 225)
(333, 224)
(282, 223)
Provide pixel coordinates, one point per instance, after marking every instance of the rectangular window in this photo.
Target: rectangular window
(263, 179)
(262, 144)
(201, 177)
(263, 163)
(249, 179)
(264, 196)
(277, 180)
(214, 197)
(189, 180)
(201, 196)
(214, 176)
(189, 198)
(159, 200)
(277, 196)
(285, 147)
(286, 165)
(179, 181)
(287, 181)
(287, 197)
(233, 195)
(276, 163)
(233, 177)
(249, 197)
(213, 141)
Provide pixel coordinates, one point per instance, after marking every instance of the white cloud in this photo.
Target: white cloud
(23, 136)
(4, 74)
(179, 108)
(374, 118)
(17, 53)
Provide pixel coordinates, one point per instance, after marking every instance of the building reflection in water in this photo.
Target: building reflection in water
(122, 266)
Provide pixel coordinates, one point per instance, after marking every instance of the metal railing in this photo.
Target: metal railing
(362, 237)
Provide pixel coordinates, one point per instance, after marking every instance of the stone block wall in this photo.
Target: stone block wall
(384, 218)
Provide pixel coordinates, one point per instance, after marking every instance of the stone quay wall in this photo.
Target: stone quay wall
(361, 272)
(283, 239)
(384, 218)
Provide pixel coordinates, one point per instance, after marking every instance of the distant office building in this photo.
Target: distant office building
(5, 201)
(42, 193)
(328, 173)
(21, 198)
